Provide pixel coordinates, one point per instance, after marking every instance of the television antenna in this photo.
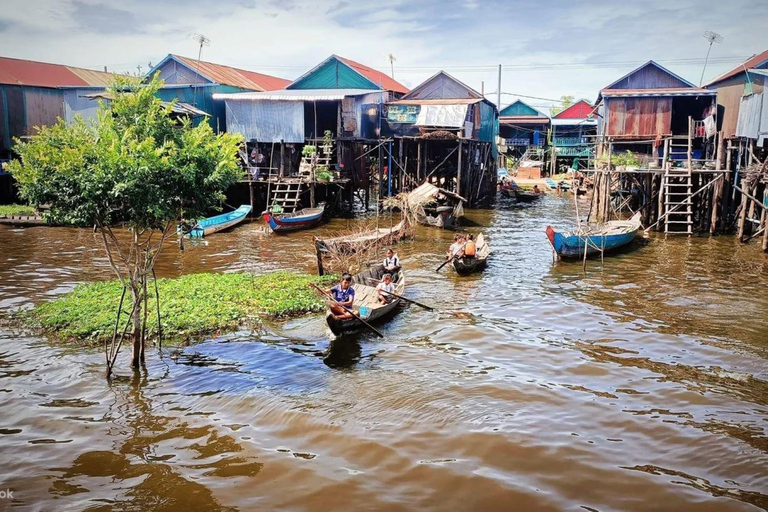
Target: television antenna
(201, 41)
(392, 60)
(712, 37)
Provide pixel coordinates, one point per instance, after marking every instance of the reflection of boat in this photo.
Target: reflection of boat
(217, 223)
(465, 266)
(594, 239)
(352, 243)
(302, 219)
(527, 197)
(435, 206)
(342, 353)
(366, 302)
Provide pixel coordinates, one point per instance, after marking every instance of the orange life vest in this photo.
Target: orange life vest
(469, 248)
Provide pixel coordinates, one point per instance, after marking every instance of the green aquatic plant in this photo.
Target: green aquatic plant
(191, 305)
(8, 210)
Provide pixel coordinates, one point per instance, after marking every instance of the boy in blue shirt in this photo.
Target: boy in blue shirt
(344, 295)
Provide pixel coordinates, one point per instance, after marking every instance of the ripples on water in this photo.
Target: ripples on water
(638, 385)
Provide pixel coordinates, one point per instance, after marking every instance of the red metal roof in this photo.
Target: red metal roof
(226, 75)
(579, 110)
(387, 83)
(755, 61)
(39, 74)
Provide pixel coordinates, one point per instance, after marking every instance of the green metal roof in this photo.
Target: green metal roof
(333, 74)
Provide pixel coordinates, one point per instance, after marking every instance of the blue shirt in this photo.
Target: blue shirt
(342, 296)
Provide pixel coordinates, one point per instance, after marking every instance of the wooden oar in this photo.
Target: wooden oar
(446, 262)
(408, 300)
(328, 295)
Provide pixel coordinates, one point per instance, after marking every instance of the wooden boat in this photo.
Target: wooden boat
(466, 266)
(302, 219)
(436, 206)
(527, 197)
(216, 223)
(366, 302)
(508, 192)
(564, 185)
(594, 239)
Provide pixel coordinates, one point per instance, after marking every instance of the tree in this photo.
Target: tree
(134, 168)
(565, 102)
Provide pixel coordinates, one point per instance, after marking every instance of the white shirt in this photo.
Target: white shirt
(382, 286)
(456, 247)
(394, 261)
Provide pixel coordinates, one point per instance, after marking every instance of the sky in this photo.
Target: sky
(547, 49)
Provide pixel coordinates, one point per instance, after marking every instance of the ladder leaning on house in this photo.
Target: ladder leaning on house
(678, 189)
(285, 197)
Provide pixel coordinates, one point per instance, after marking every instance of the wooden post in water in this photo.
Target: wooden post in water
(418, 161)
(765, 220)
(458, 172)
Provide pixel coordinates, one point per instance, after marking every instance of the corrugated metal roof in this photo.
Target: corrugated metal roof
(44, 74)
(569, 121)
(295, 95)
(226, 75)
(639, 93)
(425, 192)
(523, 120)
(758, 60)
(763, 72)
(386, 82)
(579, 110)
(440, 101)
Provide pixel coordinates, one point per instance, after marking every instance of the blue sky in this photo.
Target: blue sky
(548, 48)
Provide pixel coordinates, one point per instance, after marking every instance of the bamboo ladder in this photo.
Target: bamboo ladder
(678, 188)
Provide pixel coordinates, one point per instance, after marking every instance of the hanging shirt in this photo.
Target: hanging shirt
(394, 261)
(341, 295)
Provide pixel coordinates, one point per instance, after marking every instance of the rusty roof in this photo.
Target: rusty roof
(677, 91)
(386, 82)
(227, 75)
(437, 101)
(755, 61)
(44, 74)
(523, 120)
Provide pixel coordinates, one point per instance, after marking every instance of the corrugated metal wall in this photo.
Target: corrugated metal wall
(266, 121)
(729, 94)
(649, 77)
(43, 107)
(76, 104)
(639, 117)
(441, 87)
(750, 113)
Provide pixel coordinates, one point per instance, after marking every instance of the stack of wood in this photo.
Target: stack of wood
(753, 215)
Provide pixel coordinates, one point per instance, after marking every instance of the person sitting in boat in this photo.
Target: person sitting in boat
(344, 295)
(470, 249)
(456, 246)
(391, 262)
(536, 189)
(385, 287)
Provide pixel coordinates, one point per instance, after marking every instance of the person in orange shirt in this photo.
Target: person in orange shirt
(469, 247)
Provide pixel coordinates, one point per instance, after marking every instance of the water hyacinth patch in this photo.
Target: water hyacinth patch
(189, 305)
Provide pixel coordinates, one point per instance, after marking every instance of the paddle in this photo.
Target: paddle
(328, 295)
(408, 300)
(446, 262)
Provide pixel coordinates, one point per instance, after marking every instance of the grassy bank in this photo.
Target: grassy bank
(9, 210)
(189, 305)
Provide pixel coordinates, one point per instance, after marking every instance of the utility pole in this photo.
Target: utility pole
(498, 91)
(392, 60)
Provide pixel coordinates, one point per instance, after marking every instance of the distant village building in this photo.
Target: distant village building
(522, 127)
(743, 101)
(194, 82)
(443, 132)
(574, 133)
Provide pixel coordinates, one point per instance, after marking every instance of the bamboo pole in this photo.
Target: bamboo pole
(458, 172)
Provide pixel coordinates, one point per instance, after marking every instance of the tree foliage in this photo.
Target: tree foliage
(565, 102)
(135, 167)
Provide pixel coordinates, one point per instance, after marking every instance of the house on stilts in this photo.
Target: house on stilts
(315, 139)
(523, 139)
(574, 136)
(442, 132)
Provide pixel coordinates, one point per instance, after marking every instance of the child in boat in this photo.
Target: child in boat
(456, 246)
(391, 262)
(469, 248)
(344, 295)
(386, 285)
(536, 189)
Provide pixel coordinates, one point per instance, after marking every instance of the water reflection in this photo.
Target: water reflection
(638, 384)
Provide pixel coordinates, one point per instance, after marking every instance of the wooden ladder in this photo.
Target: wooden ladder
(678, 190)
(286, 195)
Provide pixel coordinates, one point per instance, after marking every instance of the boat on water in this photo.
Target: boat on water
(302, 219)
(564, 185)
(216, 223)
(366, 303)
(436, 206)
(594, 239)
(466, 266)
(526, 197)
(352, 243)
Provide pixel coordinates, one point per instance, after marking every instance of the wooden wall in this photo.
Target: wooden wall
(638, 117)
(729, 94)
(649, 77)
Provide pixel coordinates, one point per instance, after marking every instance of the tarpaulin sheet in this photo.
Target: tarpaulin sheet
(266, 121)
(443, 116)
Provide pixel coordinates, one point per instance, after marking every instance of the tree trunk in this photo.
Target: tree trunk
(137, 353)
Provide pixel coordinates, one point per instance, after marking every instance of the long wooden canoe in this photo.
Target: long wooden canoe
(466, 266)
(217, 223)
(302, 219)
(366, 303)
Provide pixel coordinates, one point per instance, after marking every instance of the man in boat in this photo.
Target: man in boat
(536, 189)
(386, 285)
(391, 262)
(344, 295)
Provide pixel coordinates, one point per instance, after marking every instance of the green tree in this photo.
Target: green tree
(565, 102)
(134, 173)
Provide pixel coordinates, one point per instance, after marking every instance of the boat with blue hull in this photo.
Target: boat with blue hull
(216, 223)
(594, 239)
(302, 219)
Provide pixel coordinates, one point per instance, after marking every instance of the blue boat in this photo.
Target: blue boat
(217, 223)
(302, 219)
(594, 239)
(553, 184)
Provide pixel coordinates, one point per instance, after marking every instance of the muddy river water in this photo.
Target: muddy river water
(641, 384)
